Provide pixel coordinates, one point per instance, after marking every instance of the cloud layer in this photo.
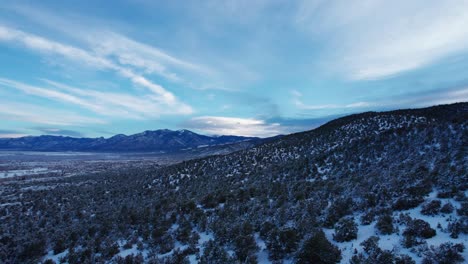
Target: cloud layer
(160, 96)
(377, 39)
(219, 125)
(224, 67)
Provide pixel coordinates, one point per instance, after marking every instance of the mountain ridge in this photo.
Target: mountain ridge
(164, 140)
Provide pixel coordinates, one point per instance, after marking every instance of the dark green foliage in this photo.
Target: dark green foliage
(406, 203)
(339, 208)
(458, 226)
(214, 254)
(447, 208)
(373, 254)
(415, 230)
(282, 242)
(431, 208)
(245, 247)
(33, 249)
(404, 259)
(318, 250)
(447, 253)
(463, 211)
(345, 230)
(385, 224)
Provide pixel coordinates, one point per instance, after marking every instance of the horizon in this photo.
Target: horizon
(219, 135)
(244, 68)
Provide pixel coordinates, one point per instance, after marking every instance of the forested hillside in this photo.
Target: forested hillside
(386, 187)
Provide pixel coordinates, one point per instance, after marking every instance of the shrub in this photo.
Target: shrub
(245, 247)
(33, 249)
(337, 210)
(318, 250)
(214, 254)
(404, 259)
(446, 253)
(345, 230)
(372, 253)
(367, 218)
(420, 228)
(385, 224)
(431, 208)
(447, 208)
(463, 211)
(282, 242)
(458, 226)
(406, 203)
(417, 229)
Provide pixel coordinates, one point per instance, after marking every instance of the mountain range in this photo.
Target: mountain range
(163, 140)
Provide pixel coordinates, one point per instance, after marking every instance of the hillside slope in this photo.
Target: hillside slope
(385, 187)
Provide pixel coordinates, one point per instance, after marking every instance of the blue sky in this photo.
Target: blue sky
(254, 68)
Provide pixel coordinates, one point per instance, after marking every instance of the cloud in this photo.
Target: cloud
(130, 52)
(377, 39)
(122, 104)
(102, 103)
(36, 43)
(219, 125)
(292, 125)
(301, 105)
(42, 115)
(203, 69)
(58, 131)
(403, 100)
(427, 98)
(11, 134)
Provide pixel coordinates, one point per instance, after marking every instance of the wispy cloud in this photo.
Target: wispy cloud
(427, 98)
(377, 39)
(41, 115)
(58, 131)
(101, 103)
(198, 68)
(404, 100)
(132, 53)
(220, 125)
(36, 43)
(11, 134)
(303, 106)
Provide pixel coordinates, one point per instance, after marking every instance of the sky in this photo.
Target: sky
(245, 67)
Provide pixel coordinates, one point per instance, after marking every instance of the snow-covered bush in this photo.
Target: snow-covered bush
(407, 202)
(372, 253)
(447, 208)
(431, 208)
(417, 229)
(318, 250)
(385, 224)
(458, 226)
(345, 230)
(214, 253)
(446, 253)
(282, 242)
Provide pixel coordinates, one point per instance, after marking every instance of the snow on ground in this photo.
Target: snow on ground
(393, 241)
(387, 242)
(262, 254)
(18, 173)
(347, 248)
(56, 258)
(130, 251)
